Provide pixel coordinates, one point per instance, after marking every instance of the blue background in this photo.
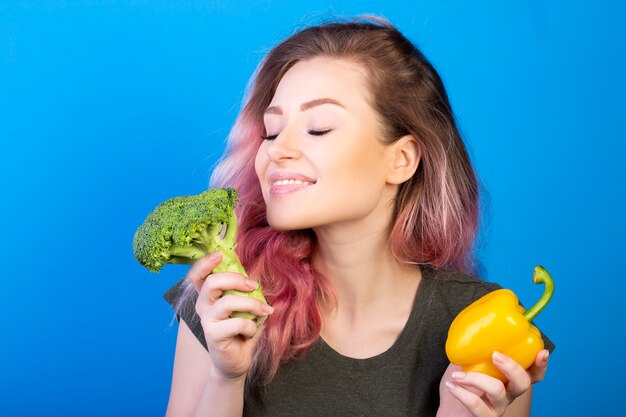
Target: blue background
(108, 108)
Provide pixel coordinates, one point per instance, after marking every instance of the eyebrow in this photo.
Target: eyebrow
(306, 106)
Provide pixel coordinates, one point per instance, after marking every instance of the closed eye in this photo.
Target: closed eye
(311, 132)
(318, 132)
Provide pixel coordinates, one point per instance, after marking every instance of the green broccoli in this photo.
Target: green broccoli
(183, 229)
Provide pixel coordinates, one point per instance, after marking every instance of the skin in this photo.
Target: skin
(351, 180)
(348, 163)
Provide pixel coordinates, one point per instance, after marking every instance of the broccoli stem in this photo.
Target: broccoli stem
(230, 263)
(207, 236)
(230, 260)
(231, 229)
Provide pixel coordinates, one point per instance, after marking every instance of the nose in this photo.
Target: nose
(284, 147)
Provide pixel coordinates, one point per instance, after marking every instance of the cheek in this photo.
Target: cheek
(354, 181)
(357, 167)
(260, 163)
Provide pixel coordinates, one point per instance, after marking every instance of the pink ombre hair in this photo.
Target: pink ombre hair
(436, 211)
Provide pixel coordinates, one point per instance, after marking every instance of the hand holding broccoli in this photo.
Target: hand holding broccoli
(184, 229)
(230, 341)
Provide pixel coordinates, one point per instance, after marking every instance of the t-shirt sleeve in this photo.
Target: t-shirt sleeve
(187, 308)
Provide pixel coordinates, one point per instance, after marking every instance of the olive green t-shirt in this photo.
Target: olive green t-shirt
(402, 381)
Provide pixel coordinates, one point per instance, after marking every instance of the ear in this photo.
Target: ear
(405, 158)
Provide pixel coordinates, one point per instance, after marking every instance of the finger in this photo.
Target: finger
(226, 305)
(519, 380)
(538, 370)
(447, 376)
(492, 388)
(474, 403)
(216, 284)
(202, 268)
(225, 330)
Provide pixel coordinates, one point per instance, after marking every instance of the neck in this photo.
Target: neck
(358, 261)
(374, 293)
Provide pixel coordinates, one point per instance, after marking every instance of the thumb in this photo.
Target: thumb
(202, 268)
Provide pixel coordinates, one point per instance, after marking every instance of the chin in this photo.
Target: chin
(285, 225)
(285, 222)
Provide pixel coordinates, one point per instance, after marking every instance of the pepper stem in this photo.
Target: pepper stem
(541, 277)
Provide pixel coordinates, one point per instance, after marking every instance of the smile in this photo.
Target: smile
(290, 182)
(285, 182)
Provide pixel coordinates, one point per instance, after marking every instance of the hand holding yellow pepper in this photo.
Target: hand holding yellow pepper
(497, 322)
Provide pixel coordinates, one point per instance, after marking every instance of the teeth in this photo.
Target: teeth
(290, 182)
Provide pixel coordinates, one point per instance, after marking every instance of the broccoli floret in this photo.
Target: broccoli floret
(183, 229)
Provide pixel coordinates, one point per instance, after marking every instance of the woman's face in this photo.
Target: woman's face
(323, 162)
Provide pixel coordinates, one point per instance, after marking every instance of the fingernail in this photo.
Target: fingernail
(215, 255)
(458, 375)
(546, 356)
(498, 357)
(252, 283)
(450, 385)
(267, 308)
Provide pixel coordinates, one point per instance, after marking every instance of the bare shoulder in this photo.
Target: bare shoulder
(189, 377)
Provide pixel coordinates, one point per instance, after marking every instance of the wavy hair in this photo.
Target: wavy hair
(436, 211)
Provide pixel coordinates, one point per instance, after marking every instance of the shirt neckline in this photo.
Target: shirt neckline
(412, 329)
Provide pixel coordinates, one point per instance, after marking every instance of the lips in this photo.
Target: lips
(289, 182)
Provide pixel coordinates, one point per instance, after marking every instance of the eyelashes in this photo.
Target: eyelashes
(311, 132)
(318, 132)
(269, 137)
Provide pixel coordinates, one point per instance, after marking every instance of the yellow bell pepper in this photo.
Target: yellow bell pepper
(497, 322)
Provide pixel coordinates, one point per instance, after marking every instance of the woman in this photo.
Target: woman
(358, 214)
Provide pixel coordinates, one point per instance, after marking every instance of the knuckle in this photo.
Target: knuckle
(242, 326)
(474, 402)
(249, 326)
(209, 335)
(246, 326)
(500, 391)
(196, 269)
(200, 308)
(242, 282)
(209, 283)
(197, 278)
(192, 276)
